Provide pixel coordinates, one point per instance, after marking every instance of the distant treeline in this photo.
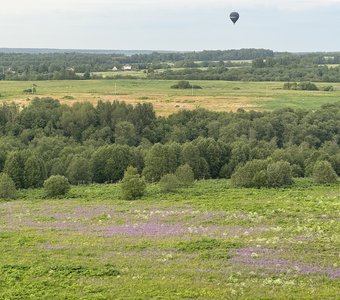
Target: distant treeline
(287, 68)
(89, 143)
(264, 65)
(56, 66)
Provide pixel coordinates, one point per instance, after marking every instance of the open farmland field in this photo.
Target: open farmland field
(215, 95)
(206, 242)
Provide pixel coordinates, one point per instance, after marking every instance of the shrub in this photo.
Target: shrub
(7, 187)
(133, 186)
(169, 183)
(303, 86)
(328, 88)
(263, 173)
(183, 84)
(279, 174)
(185, 175)
(252, 174)
(56, 185)
(323, 172)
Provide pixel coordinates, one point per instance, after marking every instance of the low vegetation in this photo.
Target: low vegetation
(209, 241)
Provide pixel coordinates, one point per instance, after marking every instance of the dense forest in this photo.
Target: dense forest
(89, 143)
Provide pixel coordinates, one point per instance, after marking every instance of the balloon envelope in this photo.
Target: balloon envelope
(234, 16)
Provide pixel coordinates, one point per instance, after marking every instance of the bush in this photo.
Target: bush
(7, 187)
(185, 175)
(303, 86)
(133, 186)
(252, 174)
(323, 172)
(328, 88)
(263, 173)
(183, 85)
(279, 174)
(169, 183)
(56, 185)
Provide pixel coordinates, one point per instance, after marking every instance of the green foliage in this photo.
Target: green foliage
(79, 171)
(109, 162)
(252, 174)
(133, 186)
(328, 88)
(324, 173)
(279, 174)
(161, 160)
(14, 167)
(169, 183)
(125, 133)
(263, 173)
(56, 185)
(213, 144)
(185, 175)
(304, 86)
(34, 172)
(182, 85)
(7, 187)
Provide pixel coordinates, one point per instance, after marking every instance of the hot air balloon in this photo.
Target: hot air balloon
(234, 16)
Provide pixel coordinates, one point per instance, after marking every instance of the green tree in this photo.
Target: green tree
(279, 174)
(125, 133)
(56, 185)
(14, 167)
(87, 75)
(252, 174)
(185, 175)
(169, 183)
(109, 162)
(190, 155)
(34, 172)
(57, 167)
(133, 185)
(324, 173)
(7, 187)
(160, 160)
(79, 170)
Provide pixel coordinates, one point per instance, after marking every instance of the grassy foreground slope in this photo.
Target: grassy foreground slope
(206, 242)
(214, 95)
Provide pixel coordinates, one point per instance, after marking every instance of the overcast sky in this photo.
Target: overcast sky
(281, 25)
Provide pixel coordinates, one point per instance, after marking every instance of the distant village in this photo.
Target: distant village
(124, 68)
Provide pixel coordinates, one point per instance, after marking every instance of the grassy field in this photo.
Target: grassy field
(206, 242)
(215, 95)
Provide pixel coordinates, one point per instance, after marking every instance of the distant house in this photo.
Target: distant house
(127, 68)
(114, 69)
